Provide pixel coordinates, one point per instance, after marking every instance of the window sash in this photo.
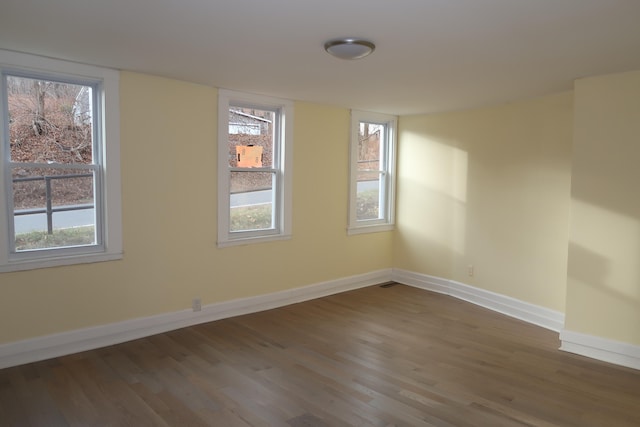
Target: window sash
(384, 220)
(10, 164)
(281, 168)
(273, 225)
(381, 191)
(97, 207)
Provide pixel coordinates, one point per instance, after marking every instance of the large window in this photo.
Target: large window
(254, 168)
(372, 184)
(60, 204)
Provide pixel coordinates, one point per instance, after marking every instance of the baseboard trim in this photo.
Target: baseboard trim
(603, 349)
(61, 344)
(512, 307)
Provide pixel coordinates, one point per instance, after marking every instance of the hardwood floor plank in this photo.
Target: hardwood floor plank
(392, 356)
(26, 402)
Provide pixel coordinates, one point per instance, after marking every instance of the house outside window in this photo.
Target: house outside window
(372, 172)
(60, 203)
(254, 168)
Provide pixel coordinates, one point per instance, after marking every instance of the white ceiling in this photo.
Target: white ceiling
(432, 55)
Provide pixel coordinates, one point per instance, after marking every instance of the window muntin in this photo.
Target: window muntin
(59, 130)
(254, 147)
(372, 172)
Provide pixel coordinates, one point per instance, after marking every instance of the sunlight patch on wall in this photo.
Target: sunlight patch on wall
(440, 166)
(459, 193)
(433, 192)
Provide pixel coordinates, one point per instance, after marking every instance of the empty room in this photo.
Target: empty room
(364, 213)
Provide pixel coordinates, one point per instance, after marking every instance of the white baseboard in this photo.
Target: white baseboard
(41, 348)
(512, 307)
(615, 352)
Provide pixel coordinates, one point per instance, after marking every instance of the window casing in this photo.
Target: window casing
(255, 149)
(372, 172)
(43, 183)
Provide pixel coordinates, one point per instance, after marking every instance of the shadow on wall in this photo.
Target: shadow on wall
(604, 270)
(594, 268)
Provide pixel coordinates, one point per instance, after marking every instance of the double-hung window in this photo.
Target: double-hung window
(372, 172)
(254, 168)
(60, 189)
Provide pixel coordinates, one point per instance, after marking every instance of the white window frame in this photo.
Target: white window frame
(386, 220)
(283, 166)
(107, 157)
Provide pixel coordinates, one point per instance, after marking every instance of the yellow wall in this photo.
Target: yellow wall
(488, 187)
(603, 287)
(168, 145)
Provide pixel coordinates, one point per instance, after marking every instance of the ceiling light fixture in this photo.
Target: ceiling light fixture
(349, 48)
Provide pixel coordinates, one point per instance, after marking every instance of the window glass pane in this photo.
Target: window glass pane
(49, 122)
(370, 144)
(368, 196)
(250, 127)
(53, 208)
(251, 201)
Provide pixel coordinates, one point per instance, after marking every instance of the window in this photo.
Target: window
(372, 183)
(254, 168)
(60, 203)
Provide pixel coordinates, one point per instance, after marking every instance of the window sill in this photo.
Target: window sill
(33, 264)
(370, 229)
(252, 240)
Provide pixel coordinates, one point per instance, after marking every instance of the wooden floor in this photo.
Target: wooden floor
(379, 356)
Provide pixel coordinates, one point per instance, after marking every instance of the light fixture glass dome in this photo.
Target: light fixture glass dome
(349, 48)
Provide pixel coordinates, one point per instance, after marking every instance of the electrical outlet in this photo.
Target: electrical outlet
(196, 304)
(470, 269)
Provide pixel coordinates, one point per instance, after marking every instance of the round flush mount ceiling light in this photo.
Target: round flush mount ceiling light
(349, 48)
